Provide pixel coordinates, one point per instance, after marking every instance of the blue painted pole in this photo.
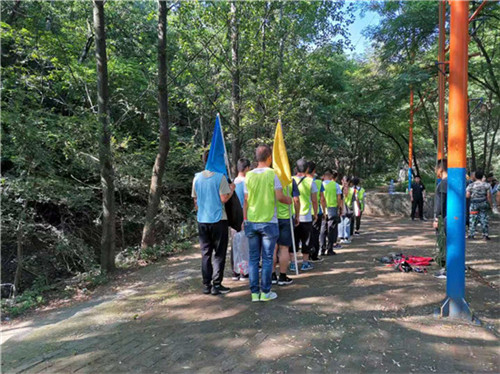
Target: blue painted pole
(409, 179)
(455, 304)
(455, 230)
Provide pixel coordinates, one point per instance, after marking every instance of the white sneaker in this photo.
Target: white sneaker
(347, 241)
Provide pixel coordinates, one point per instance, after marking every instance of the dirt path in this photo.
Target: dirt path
(348, 315)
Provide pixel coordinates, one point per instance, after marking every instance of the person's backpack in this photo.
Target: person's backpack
(234, 213)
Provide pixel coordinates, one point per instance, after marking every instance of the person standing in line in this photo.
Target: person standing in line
(316, 226)
(345, 219)
(285, 240)
(243, 167)
(417, 195)
(307, 215)
(480, 202)
(440, 211)
(494, 192)
(210, 192)
(333, 200)
(262, 189)
(359, 200)
(469, 181)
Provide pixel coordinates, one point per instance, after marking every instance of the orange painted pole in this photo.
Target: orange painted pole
(441, 80)
(410, 142)
(455, 304)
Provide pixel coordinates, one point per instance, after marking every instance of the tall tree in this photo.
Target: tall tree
(235, 89)
(108, 238)
(155, 189)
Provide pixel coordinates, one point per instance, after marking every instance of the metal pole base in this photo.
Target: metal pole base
(458, 310)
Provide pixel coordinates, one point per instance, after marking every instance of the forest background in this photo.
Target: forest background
(252, 62)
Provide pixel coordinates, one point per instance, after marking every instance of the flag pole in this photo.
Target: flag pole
(293, 235)
(226, 159)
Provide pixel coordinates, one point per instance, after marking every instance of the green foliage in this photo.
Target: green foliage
(29, 299)
(346, 114)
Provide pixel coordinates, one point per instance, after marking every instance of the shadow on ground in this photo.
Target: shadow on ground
(350, 314)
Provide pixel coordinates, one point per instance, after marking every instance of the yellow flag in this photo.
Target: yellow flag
(280, 157)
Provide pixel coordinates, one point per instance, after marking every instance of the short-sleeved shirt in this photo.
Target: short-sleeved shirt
(240, 189)
(295, 189)
(223, 189)
(417, 190)
(277, 186)
(478, 191)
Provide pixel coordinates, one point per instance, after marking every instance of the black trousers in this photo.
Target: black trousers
(303, 236)
(417, 203)
(213, 245)
(355, 223)
(316, 231)
(330, 229)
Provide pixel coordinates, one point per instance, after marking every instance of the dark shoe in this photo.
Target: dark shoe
(220, 289)
(235, 277)
(274, 279)
(317, 259)
(486, 237)
(470, 236)
(331, 253)
(284, 281)
(207, 290)
(338, 246)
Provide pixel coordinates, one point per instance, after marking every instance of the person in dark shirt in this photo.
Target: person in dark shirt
(440, 213)
(417, 194)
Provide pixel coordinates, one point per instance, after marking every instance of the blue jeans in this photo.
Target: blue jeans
(344, 227)
(262, 239)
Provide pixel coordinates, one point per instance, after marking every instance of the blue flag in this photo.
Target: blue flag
(216, 157)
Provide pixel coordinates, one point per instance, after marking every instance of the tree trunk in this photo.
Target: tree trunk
(485, 143)
(235, 91)
(20, 238)
(427, 119)
(415, 163)
(108, 238)
(471, 141)
(492, 146)
(155, 189)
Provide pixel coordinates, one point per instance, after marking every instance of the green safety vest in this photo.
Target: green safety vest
(305, 194)
(319, 183)
(348, 198)
(361, 198)
(283, 209)
(331, 194)
(261, 198)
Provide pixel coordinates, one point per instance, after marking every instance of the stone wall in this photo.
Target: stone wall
(396, 204)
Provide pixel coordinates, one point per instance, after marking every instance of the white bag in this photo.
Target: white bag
(357, 209)
(240, 253)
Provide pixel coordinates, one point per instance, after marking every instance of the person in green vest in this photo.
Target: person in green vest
(284, 244)
(358, 202)
(316, 226)
(262, 190)
(333, 200)
(345, 218)
(307, 215)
